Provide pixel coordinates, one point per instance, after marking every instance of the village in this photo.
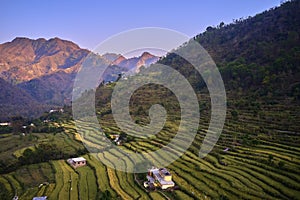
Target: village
(157, 178)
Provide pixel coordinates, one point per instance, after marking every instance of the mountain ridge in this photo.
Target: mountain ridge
(24, 59)
(46, 69)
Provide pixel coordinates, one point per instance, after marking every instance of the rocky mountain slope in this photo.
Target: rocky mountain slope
(24, 59)
(45, 69)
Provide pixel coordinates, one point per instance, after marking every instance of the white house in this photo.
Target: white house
(160, 177)
(4, 124)
(77, 162)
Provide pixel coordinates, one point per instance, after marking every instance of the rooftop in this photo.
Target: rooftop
(164, 171)
(79, 159)
(160, 178)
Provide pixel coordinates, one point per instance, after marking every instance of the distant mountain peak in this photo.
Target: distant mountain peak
(118, 60)
(111, 57)
(45, 68)
(146, 55)
(24, 59)
(43, 40)
(17, 39)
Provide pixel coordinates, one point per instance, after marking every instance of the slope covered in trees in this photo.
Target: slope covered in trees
(14, 101)
(261, 53)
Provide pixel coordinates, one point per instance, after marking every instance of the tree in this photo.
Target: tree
(17, 124)
(270, 158)
(209, 28)
(4, 193)
(119, 77)
(234, 114)
(221, 24)
(281, 164)
(104, 196)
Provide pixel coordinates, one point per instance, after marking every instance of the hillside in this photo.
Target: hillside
(46, 69)
(52, 89)
(260, 54)
(16, 102)
(260, 39)
(262, 123)
(256, 157)
(24, 59)
(42, 68)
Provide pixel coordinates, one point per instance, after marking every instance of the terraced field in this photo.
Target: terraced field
(256, 157)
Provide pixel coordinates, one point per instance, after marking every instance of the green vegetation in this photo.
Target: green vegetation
(17, 150)
(256, 157)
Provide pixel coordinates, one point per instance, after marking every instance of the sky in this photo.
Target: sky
(89, 22)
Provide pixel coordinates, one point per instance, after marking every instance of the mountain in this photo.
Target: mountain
(42, 68)
(256, 156)
(121, 65)
(118, 60)
(259, 60)
(263, 58)
(24, 59)
(258, 56)
(259, 39)
(52, 89)
(262, 85)
(133, 64)
(16, 102)
(46, 69)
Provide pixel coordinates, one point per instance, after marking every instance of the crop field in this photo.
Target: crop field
(253, 159)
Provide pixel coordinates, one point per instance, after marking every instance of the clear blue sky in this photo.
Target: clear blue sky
(89, 22)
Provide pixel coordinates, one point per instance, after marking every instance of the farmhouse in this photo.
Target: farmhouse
(117, 139)
(160, 178)
(5, 124)
(77, 162)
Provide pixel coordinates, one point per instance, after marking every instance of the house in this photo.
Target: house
(77, 162)
(160, 178)
(4, 124)
(40, 198)
(52, 111)
(116, 138)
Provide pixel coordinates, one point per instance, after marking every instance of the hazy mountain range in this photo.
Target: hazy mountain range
(258, 55)
(41, 72)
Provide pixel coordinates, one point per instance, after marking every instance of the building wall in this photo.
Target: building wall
(166, 186)
(78, 164)
(168, 178)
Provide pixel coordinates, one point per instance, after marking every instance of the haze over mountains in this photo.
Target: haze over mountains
(44, 70)
(256, 55)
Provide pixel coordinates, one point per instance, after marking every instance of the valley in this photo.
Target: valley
(257, 155)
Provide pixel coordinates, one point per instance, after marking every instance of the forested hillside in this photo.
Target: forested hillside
(260, 53)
